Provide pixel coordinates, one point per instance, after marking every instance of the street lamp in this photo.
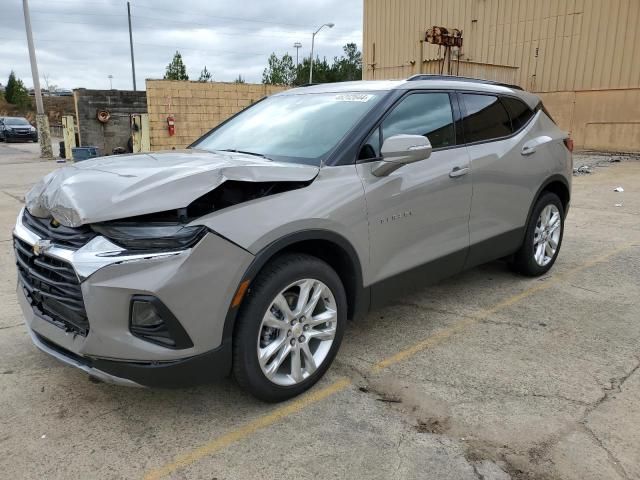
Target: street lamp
(297, 46)
(313, 38)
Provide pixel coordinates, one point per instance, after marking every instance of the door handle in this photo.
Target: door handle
(458, 172)
(528, 150)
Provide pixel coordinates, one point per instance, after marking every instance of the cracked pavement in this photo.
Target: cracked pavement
(504, 385)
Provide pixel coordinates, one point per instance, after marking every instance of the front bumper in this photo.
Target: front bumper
(178, 373)
(196, 284)
(26, 137)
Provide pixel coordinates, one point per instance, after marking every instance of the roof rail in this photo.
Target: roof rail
(426, 76)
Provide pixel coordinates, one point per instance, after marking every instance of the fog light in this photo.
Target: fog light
(152, 321)
(145, 315)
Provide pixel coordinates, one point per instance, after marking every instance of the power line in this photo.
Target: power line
(182, 12)
(155, 45)
(152, 27)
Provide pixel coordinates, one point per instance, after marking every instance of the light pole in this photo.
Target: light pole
(313, 39)
(297, 46)
(110, 82)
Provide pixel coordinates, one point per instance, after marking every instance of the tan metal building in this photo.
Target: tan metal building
(581, 56)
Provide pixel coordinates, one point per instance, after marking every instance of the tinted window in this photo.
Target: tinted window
(519, 112)
(426, 114)
(485, 118)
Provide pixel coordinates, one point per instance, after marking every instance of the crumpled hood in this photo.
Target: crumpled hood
(109, 188)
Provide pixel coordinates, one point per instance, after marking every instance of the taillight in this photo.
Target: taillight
(568, 142)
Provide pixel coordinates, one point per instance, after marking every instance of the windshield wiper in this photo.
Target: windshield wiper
(233, 150)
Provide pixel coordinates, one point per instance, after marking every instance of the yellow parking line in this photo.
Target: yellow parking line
(316, 396)
(446, 333)
(227, 439)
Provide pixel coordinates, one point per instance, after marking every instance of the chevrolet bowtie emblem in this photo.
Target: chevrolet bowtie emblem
(41, 246)
(55, 223)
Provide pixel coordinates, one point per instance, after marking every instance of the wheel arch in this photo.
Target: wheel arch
(557, 184)
(330, 247)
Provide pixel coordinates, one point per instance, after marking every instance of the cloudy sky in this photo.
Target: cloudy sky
(79, 43)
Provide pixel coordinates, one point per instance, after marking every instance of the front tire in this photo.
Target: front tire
(289, 328)
(543, 237)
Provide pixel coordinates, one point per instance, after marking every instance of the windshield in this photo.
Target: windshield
(293, 128)
(16, 121)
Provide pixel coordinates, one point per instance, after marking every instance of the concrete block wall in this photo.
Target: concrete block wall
(197, 107)
(117, 131)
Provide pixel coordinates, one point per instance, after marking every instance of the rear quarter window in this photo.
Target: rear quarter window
(519, 112)
(485, 118)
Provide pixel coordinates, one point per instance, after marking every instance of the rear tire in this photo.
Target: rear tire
(543, 237)
(281, 345)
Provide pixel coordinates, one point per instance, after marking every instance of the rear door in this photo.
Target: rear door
(495, 130)
(418, 215)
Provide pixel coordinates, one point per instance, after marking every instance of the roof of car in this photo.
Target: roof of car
(423, 82)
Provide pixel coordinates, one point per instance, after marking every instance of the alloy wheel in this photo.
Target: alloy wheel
(297, 332)
(546, 236)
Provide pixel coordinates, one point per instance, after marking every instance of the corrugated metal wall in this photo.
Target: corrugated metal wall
(499, 73)
(557, 45)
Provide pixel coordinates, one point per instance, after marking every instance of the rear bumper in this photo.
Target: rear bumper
(190, 371)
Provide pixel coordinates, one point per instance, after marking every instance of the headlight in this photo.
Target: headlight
(33, 129)
(150, 236)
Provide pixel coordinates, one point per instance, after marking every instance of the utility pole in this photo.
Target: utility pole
(133, 63)
(42, 121)
(110, 82)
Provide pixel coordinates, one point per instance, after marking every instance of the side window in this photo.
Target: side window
(371, 148)
(426, 114)
(519, 112)
(485, 118)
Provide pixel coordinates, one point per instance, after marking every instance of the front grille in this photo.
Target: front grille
(52, 287)
(47, 229)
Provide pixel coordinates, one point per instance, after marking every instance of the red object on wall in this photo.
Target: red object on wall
(171, 125)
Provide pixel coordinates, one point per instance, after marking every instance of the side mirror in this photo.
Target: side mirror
(401, 150)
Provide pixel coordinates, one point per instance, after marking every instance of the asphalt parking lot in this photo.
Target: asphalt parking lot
(485, 376)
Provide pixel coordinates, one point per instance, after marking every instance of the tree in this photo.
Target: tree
(322, 72)
(279, 71)
(51, 87)
(346, 68)
(240, 79)
(15, 92)
(176, 70)
(205, 75)
(349, 67)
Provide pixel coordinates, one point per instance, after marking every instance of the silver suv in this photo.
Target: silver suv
(248, 251)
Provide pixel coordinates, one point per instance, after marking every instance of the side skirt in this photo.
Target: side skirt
(494, 248)
(385, 291)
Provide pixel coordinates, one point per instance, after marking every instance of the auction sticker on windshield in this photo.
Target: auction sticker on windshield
(353, 97)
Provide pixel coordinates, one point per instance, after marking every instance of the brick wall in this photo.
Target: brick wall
(117, 131)
(196, 106)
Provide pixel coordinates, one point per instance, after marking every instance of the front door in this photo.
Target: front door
(419, 214)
